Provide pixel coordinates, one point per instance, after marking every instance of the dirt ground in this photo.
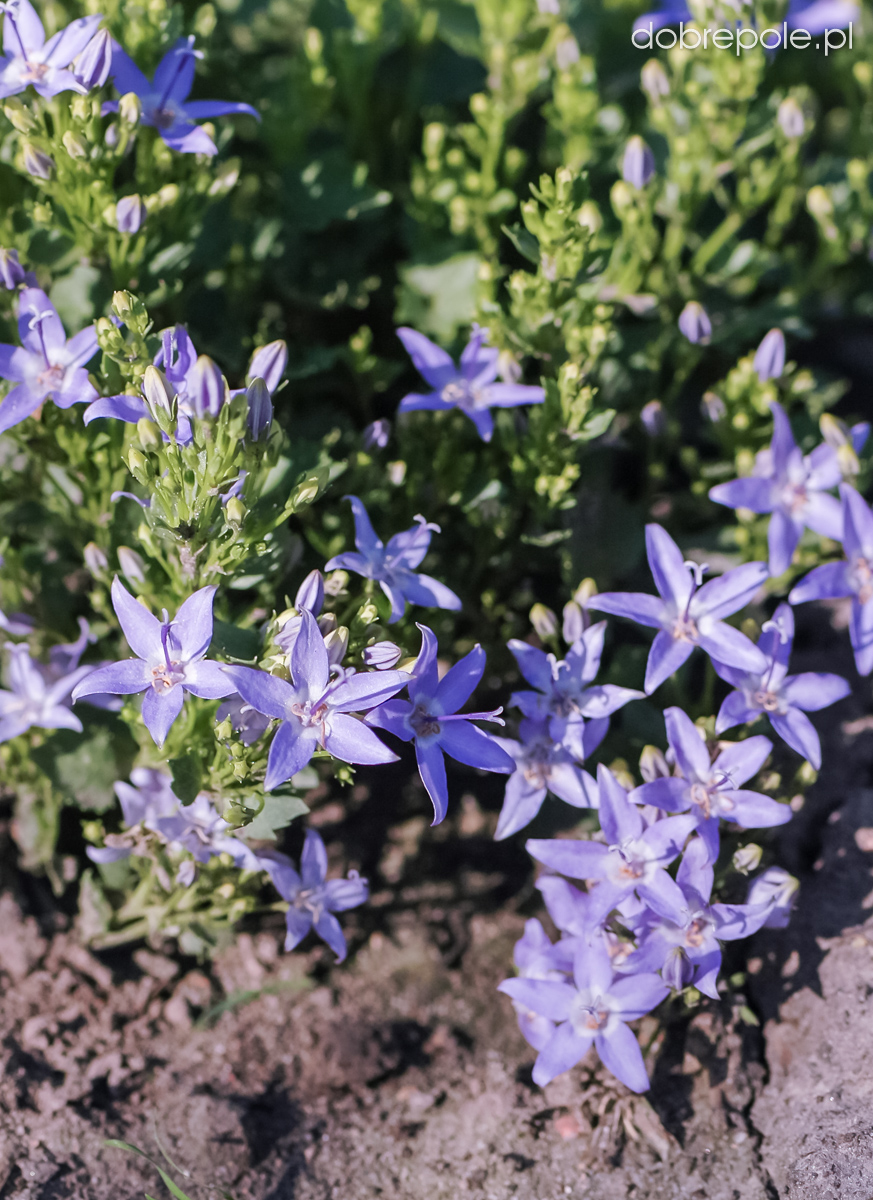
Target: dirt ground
(402, 1074)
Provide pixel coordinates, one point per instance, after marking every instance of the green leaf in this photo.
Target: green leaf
(83, 769)
(187, 772)
(278, 812)
(597, 424)
(524, 241)
(233, 642)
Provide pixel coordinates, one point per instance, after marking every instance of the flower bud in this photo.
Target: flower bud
(778, 889)
(574, 622)
(235, 511)
(544, 621)
(310, 594)
(95, 560)
(158, 393)
(694, 323)
(269, 363)
(327, 623)
(139, 465)
(382, 655)
(713, 407)
(207, 388)
(74, 146)
(18, 116)
(790, 118)
(91, 68)
(638, 163)
(110, 137)
(11, 270)
(337, 643)
(130, 213)
(148, 435)
(747, 858)
(584, 592)
(770, 356)
(654, 418)
(654, 81)
(677, 969)
(653, 764)
(129, 108)
(80, 108)
(367, 614)
(132, 566)
(37, 164)
(377, 434)
(566, 53)
(260, 415)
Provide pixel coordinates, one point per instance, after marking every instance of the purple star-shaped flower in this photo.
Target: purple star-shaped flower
(784, 698)
(686, 614)
(430, 717)
(46, 366)
(593, 1011)
(684, 946)
(164, 102)
(314, 709)
(793, 487)
(393, 566)
(564, 697)
(149, 800)
(710, 790)
(634, 858)
(29, 60)
(470, 386)
(541, 766)
(38, 697)
(170, 659)
(313, 898)
(851, 577)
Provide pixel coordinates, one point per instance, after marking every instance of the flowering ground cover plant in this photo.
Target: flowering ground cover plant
(548, 331)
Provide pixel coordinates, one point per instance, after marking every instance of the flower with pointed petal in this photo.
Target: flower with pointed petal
(313, 898)
(314, 709)
(594, 1011)
(684, 945)
(793, 487)
(470, 386)
(710, 790)
(39, 696)
(431, 719)
(785, 699)
(170, 659)
(164, 103)
(28, 60)
(46, 366)
(393, 566)
(541, 766)
(686, 614)
(851, 577)
(634, 858)
(564, 696)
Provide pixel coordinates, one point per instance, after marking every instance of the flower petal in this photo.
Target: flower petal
(665, 658)
(290, 751)
(431, 361)
(160, 709)
(351, 741)
(432, 769)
